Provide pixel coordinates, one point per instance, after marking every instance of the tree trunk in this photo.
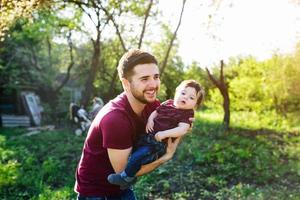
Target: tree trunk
(145, 23)
(89, 87)
(70, 66)
(113, 83)
(164, 63)
(93, 11)
(222, 86)
(226, 107)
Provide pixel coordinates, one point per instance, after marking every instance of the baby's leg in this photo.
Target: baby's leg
(134, 164)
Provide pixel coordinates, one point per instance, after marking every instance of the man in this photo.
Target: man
(117, 125)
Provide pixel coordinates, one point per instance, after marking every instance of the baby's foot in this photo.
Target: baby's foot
(117, 179)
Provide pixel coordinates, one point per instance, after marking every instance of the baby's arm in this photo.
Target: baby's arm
(179, 131)
(150, 123)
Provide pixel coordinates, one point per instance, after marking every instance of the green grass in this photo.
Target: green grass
(40, 166)
(259, 158)
(251, 161)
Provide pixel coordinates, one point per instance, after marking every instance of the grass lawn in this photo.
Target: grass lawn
(259, 158)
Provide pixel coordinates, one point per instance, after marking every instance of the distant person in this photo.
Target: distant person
(97, 105)
(79, 116)
(117, 126)
(170, 120)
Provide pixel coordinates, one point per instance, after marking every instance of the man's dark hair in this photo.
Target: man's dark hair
(194, 84)
(132, 58)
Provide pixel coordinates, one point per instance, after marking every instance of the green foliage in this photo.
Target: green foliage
(31, 60)
(11, 10)
(247, 86)
(283, 82)
(64, 193)
(262, 86)
(38, 167)
(137, 8)
(215, 99)
(8, 167)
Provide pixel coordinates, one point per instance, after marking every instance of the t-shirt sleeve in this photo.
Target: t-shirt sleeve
(160, 107)
(167, 102)
(149, 109)
(117, 131)
(186, 116)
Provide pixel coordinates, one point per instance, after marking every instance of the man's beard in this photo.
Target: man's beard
(140, 96)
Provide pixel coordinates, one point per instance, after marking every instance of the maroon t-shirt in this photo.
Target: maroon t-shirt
(168, 116)
(116, 127)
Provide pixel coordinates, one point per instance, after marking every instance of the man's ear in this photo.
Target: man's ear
(125, 84)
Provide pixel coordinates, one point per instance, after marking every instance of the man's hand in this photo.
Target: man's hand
(149, 126)
(171, 148)
(159, 136)
(192, 120)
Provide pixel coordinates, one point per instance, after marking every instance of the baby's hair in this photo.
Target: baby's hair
(194, 84)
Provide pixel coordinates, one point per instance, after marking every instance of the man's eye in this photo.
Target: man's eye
(156, 77)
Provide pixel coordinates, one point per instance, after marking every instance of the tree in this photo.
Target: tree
(223, 88)
(37, 50)
(31, 59)
(137, 11)
(92, 8)
(265, 86)
(173, 70)
(104, 14)
(283, 82)
(101, 14)
(11, 10)
(165, 60)
(248, 85)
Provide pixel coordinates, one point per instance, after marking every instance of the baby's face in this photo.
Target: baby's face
(185, 98)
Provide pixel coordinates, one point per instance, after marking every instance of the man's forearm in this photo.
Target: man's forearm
(171, 148)
(151, 166)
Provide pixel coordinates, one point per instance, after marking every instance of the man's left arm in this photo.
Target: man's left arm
(117, 139)
(118, 158)
(171, 149)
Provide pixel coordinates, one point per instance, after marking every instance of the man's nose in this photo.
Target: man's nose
(153, 83)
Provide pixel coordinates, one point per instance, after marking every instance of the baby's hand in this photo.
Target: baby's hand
(149, 126)
(159, 136)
